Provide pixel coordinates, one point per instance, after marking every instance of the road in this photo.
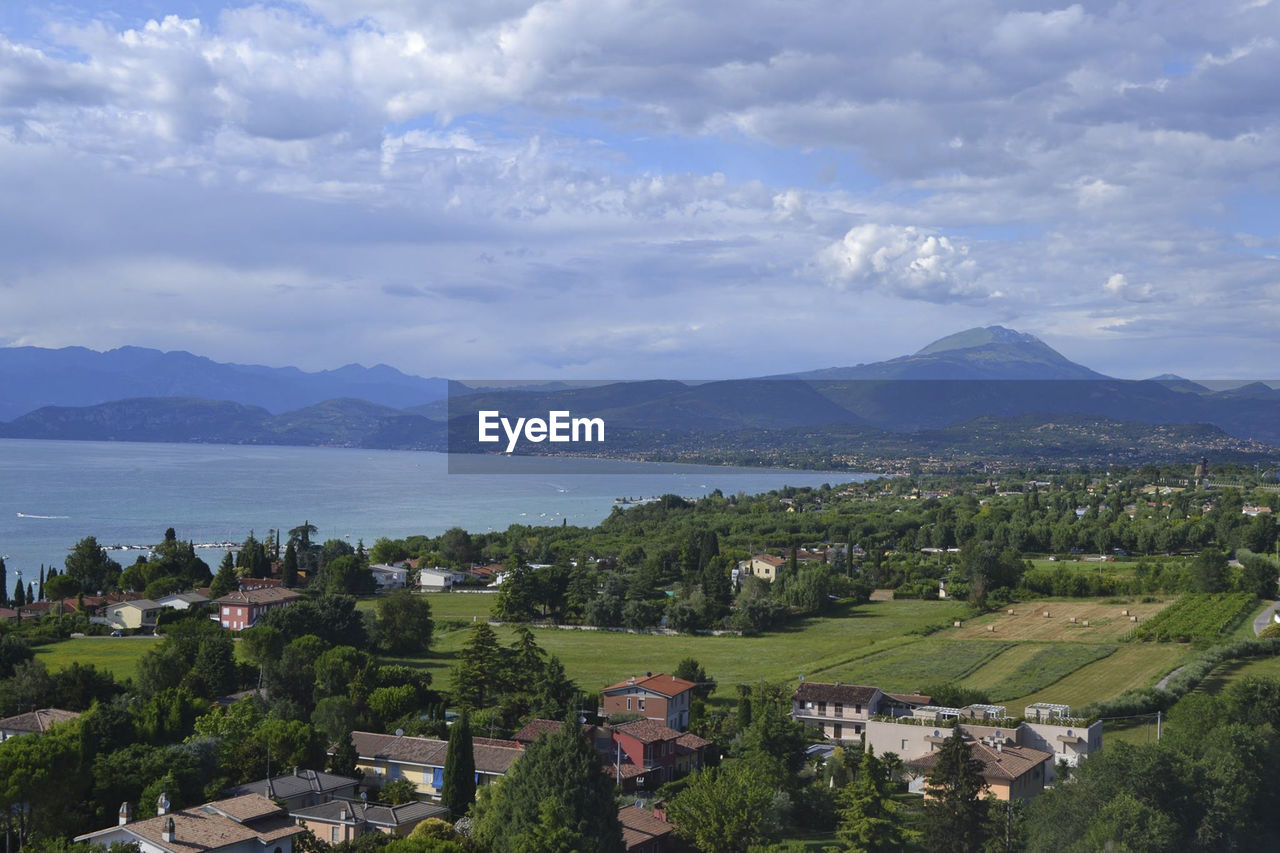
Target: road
(1264, 618)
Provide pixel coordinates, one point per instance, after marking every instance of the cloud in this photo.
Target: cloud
(1119, 286)
(903, 261)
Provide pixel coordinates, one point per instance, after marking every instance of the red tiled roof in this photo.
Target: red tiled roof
(849, 694)
(662, 684)
(640, 826)
(647, 731)
(269, 595)
(37, 721)
(1003, 765)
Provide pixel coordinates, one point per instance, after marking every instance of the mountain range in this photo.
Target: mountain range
(989, 376)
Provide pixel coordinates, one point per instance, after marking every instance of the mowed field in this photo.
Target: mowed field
(117, 655)
(1107, 624)
(1131, 665)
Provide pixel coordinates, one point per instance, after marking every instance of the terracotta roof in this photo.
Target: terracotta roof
(849, 694)
(38, 721)
(647, 731)
(640, 826)
(269, 595)
(910, 698)
(691, 742)
(246, 807)
(7, 613)
(429, 752)
(1004, 765)
(493, 741)
(535, 729)
(662, 684)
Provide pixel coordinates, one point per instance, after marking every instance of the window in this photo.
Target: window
(904, 745)
(822, 709)
(333, 835)
(837, 732)
(628, 703)
(839, 709)
(641, 704)
(437, 777)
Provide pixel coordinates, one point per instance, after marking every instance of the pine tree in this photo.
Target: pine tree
(225, 580)
(476, 678)
(869, 821)
(31, 593)
(562, 766)
(955, 812)
(459, 790)
(343, 760)
(4, 585)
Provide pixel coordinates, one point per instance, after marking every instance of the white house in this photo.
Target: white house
(182, 600)
(248, 824)
(437, 578)
(390, 577)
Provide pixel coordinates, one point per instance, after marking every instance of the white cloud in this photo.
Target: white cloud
(903, 261)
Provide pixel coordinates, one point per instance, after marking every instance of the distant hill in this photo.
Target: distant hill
(993, 352)
(333, 423)
(33, 377)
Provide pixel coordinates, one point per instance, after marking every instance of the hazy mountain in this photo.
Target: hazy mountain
(993, 352)
(33, 377)
(1174, 382)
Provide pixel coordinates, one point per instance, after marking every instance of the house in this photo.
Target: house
(299, 789)
(1047, 728)
(639, 755)
(385, 758)
(660, 697)
(346, 820)
(34, 722)
(250, 584)
(764, 566)
(389, 577)
(437, 578)
(133, 615)
(240, 610)
(840, 711)
(1011, 772)
(182, 600)
(248, 824)
(644, 831)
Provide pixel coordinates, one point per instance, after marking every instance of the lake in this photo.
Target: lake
(54, 493)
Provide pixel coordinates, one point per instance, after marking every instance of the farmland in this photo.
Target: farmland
(1029, 667)
(1202, 617)
(117, 655)
(1107, 622)
(1138, 665)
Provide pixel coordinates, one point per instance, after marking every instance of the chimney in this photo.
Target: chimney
(168, 832)
(126, 813)
(162, 804)
(999, 746)
(342, 813)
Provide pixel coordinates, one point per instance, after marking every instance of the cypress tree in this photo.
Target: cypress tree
(459, 790)
(41, 587)
(290, 573)
(4, 585)
(31, 593)
(19, 596)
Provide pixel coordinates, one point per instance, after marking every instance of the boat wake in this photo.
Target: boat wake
(29, 515)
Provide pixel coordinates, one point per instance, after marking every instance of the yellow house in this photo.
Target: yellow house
(132, 615)
(386, 758)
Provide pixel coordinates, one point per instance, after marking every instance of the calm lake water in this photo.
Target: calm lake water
(53, 493)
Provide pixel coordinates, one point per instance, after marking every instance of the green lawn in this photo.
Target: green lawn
(917, 666)
(117, 655)
(1223, 675)
(819, 648)
(448, 606)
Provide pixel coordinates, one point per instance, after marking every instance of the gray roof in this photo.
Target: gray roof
(428, 752)
(405, 814)
(294, 784)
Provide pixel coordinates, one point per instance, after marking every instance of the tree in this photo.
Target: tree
(1209, 571)
(869, 820)
(726, 809)
(289, 574)
(344, 758)
(517, 598)
(90, 567)
(225, 580)
(562, 766)
(13, 651)
(404, 623)
(459, 790)
(398, 791)
(476, 678)
(19, 595)
(690, 670)
(955, 812)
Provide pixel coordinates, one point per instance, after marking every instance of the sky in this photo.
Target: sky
(639, 188)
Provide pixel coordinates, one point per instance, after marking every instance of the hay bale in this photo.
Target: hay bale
(991, 627)
(1046, 614)
(1133, 618)
(1085, 623)
(957, 624)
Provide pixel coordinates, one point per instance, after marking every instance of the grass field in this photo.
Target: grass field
(1223, 675)
(817, 648)
(1120, 568)
(1029, 624)
(117, 655)
(1028, 667)
(448, 606)
(1131, 666)
(916, 666)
